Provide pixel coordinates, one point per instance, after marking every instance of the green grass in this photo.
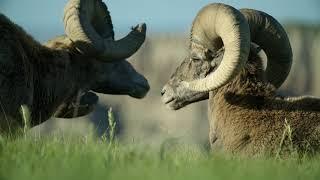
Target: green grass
(56, 158)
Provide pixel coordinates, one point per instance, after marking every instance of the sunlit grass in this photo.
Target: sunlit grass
(84, 158)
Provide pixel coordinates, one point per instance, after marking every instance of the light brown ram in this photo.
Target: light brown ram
(225, 65)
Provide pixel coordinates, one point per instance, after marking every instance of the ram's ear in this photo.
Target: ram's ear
(59, 42)
(217, 58)
(208, 54)
(255, 48)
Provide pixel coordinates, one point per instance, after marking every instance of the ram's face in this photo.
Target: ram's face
(114, 77)
(120, 78)
(190, 69)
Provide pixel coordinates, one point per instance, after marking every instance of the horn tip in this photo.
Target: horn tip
(141, 28)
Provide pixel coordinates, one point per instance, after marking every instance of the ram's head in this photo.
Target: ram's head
(220, 44)
(90, 40)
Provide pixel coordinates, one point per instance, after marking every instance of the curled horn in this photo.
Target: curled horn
(268, 33)
(218, 25)
(88, 24)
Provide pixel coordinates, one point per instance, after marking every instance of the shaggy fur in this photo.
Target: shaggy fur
(247, 118)
(36, 76)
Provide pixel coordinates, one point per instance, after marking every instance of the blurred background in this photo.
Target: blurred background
(147, 120)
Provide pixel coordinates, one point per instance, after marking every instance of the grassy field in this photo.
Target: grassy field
(81, 158)
(84, 158)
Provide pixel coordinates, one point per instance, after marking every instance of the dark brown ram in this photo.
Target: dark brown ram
(245, 116)
(43, 77)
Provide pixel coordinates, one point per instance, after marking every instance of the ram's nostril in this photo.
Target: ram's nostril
(163, 91)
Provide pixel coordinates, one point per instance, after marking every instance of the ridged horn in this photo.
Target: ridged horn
(268, 33)
(218, 25)
(88, 24)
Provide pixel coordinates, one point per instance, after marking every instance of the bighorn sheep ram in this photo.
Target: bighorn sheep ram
(245, 115)
(43, 77)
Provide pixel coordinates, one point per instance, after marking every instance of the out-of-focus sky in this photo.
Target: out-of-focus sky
(43, 18)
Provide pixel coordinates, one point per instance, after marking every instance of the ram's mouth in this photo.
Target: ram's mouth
(170, 102)
(167, 99)
(140, 90)
(173, 105)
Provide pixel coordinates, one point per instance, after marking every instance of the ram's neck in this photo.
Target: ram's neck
(55, 83)
(231, 106)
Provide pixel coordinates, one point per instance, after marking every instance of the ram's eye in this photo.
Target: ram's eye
(195, 59)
